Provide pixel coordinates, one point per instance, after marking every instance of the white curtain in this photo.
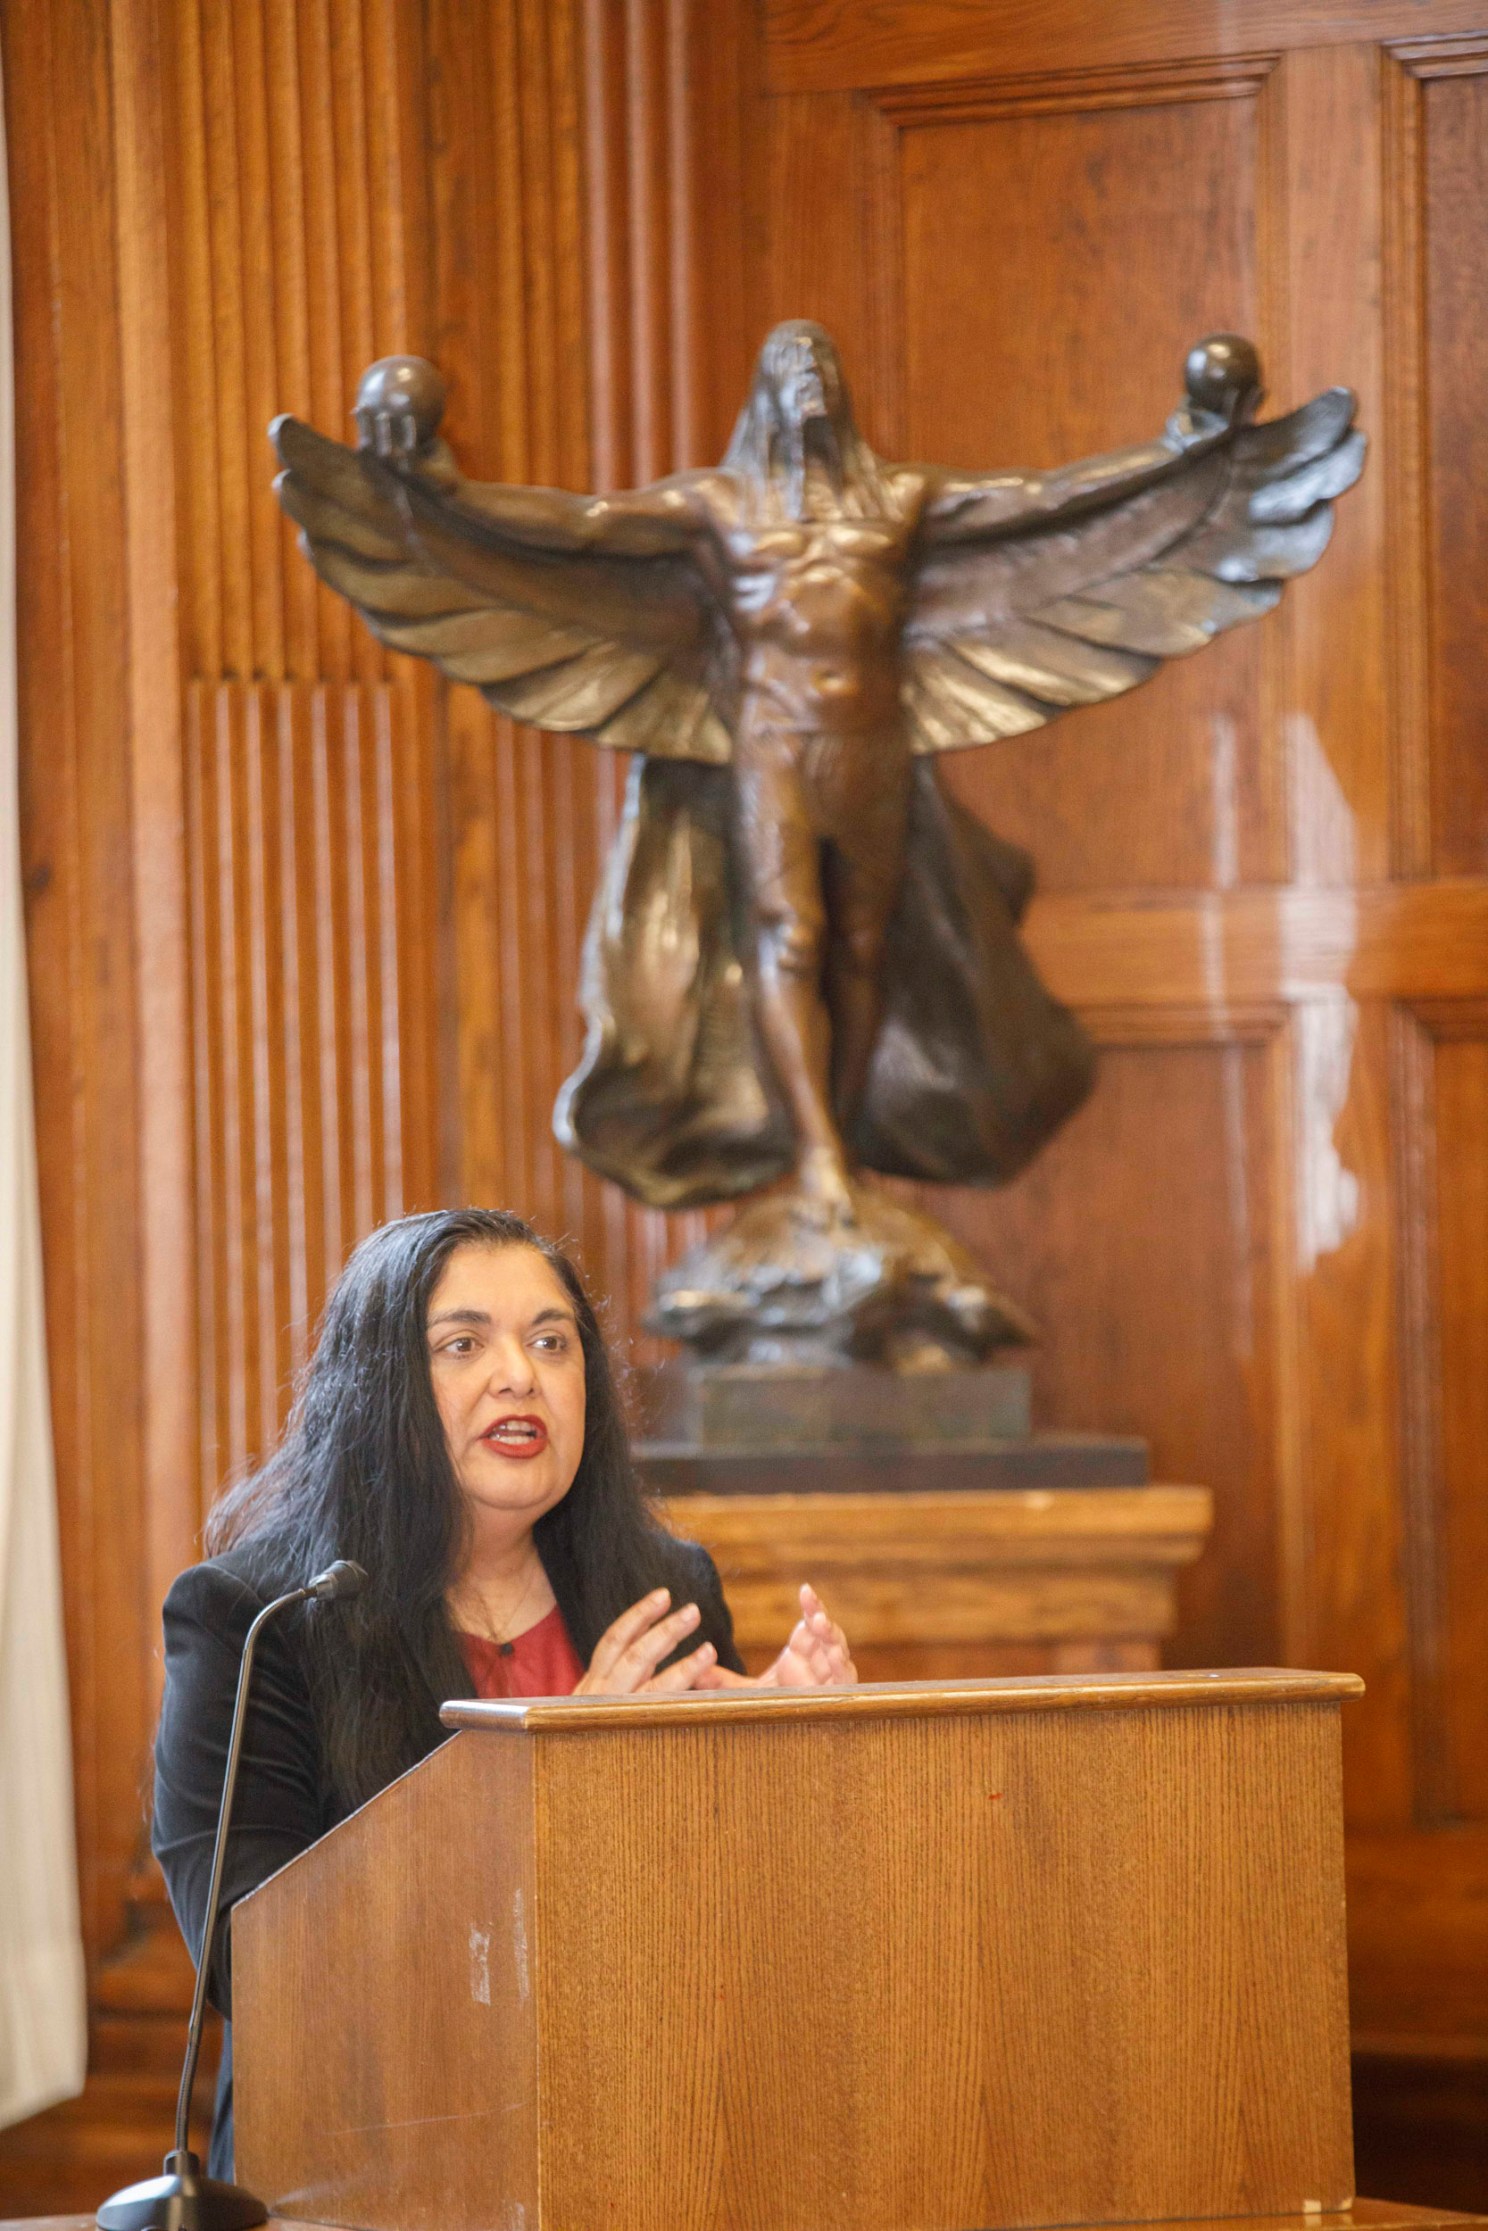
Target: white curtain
(43, 2023)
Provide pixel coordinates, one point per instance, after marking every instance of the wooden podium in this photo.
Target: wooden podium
(929, 1957)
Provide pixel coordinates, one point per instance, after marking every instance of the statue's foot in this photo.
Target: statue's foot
(823, 1187)
(824, 1276)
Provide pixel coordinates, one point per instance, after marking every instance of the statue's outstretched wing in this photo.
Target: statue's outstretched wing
(599, 632)
(1070, 603)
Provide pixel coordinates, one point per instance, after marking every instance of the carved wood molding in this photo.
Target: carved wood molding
(1264, 943)
(1172, 1024)
(821, 46)
(1066, 92)
(1449, 1020)
(1446, 55)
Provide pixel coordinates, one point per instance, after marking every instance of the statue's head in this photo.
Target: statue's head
(798, 409)
(800, 375)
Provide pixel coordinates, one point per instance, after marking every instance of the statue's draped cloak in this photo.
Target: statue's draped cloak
(675, 1097)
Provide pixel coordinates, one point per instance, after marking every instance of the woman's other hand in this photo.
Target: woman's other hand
(815, 1657)
(628, 1653)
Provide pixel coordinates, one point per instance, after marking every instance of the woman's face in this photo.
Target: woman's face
(508, 1375)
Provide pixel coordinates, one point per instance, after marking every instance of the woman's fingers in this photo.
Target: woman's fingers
(640, 1658)
(827, 1632)
(682, 1675)
(621, 1632)
(817, 1655)
(815, 1615)
(633, 1646)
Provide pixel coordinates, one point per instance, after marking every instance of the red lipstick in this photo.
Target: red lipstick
(516, 1437)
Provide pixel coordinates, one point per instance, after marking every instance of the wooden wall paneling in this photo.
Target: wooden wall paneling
(1040, 222)
(73, 620)
(818, 158)
(1422, 1490)
(1403, 466)
(1126, 1251)
(1461, 1096)
(1323, 224)
(305, 857)
(1418, 1946)
(1345, 1225)
(300, 242)
(671, 219)
(147, 295)
(1322, 227)
(1443, 1121)
(1453, 181)
(302, 236)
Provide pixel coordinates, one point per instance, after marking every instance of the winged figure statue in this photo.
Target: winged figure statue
(803, 959)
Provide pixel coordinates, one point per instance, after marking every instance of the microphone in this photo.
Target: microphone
(183, 2199)
(335, 1584)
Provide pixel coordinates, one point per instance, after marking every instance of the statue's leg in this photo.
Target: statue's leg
(864, 869)
(779, 859)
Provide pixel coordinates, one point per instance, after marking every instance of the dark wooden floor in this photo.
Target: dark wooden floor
(1421, 2131)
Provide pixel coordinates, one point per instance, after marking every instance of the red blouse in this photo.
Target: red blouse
(540, 1662)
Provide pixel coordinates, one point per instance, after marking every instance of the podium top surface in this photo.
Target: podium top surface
(1364, 2215)
(1034, 1692)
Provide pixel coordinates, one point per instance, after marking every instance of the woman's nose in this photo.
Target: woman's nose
(511, 1368)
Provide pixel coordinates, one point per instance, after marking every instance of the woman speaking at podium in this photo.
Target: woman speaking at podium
(457, 1433)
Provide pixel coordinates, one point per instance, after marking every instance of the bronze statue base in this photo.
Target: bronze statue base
(795, 1406)
(795, 1281)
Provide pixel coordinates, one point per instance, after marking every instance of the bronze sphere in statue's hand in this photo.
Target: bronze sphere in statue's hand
(399, 406)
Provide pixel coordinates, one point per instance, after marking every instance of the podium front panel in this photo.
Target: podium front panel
(943, 1957)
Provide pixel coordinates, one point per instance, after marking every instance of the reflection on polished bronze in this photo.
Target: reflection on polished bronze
(803, 958)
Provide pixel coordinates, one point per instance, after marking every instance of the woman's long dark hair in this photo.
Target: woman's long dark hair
(362, 1471)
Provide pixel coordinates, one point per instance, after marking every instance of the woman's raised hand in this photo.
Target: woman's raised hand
(815, 1657)
(628, 1653)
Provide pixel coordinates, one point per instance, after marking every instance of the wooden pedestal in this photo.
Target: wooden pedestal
(934, 1585)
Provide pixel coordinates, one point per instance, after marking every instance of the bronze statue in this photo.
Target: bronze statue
(803, 958)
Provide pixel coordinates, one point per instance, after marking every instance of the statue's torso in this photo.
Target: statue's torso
(817, 604)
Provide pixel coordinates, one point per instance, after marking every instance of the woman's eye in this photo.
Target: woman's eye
(553, 1343)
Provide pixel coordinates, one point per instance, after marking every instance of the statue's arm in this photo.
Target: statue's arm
(963, 507)
(398, 409)
(661, 521)
(1223, 379)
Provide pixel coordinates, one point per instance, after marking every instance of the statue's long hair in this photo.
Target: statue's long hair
(757, 449)
(363, 1472)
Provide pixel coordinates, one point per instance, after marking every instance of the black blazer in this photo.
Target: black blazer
(285, 1797)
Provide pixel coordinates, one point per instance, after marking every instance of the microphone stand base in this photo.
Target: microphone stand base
(182, 2200)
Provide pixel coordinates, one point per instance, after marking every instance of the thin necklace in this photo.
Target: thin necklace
(503, 1642)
